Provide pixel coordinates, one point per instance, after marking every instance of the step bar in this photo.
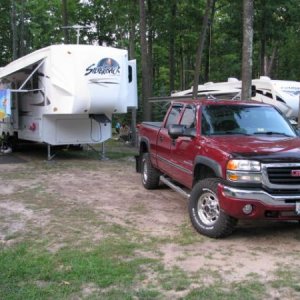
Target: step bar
(174, 187)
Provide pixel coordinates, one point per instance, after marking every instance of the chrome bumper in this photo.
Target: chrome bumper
(260, 196)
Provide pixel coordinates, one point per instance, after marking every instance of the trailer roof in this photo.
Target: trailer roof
(18, 65)
(24, 62)
(207, 101)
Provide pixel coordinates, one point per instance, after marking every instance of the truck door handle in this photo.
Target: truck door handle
(173, 142)
(161, 138)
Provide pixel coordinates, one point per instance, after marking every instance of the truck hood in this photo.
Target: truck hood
(264, 149)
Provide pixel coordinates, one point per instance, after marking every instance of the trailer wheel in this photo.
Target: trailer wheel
(150, 175)
(205, 213)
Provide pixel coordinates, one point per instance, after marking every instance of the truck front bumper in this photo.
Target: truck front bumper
(263, 205)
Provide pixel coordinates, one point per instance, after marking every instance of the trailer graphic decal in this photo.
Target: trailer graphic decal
(5, 109)
(106, 66)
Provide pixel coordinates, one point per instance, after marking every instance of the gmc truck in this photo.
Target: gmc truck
(232, 160)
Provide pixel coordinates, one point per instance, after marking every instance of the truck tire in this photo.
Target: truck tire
(205, 213)
(150, 175)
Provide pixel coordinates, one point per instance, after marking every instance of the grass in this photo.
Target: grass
(111, 269)
(114, 269)
(187, 235)
(175, 279)
(29, 272)
(243, 290)
(287, 277)
(113, 149)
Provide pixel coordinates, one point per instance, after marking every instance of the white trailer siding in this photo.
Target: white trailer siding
(60, 91)
(283, 94)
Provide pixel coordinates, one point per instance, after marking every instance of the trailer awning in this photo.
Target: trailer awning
(20, 65)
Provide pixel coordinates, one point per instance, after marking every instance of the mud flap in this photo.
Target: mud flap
(137, 163)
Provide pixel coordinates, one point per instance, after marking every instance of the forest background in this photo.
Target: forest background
(172, 29)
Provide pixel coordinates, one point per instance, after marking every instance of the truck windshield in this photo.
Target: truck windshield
(244, 120)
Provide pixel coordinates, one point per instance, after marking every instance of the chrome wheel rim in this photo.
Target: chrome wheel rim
(208, 208)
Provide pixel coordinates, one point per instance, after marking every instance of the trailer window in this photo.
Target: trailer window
(264, 93)
(279, 99)
(35, 81)
(129, 74)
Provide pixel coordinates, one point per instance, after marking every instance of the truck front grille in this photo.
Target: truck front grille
(283, 175)
(277, 192)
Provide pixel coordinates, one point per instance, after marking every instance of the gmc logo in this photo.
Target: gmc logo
(295, 173)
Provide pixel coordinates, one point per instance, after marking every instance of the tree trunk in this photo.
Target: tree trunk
(146, 87)
(270, 62)
(263, 40)
(131, 49)
(149, 16)
(182, 67)
(172, 47)
(247, 49)
(202, 38)
(65, 20)
(22, 42)
(14, 30)
(208, 50)
(207, 58)
(132, 56)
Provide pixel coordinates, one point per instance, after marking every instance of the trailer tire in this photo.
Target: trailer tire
(150, 175)
(205, 213)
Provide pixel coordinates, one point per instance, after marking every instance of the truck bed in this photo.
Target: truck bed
(153, 124)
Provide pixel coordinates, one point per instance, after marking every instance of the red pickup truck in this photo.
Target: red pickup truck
(231, 159)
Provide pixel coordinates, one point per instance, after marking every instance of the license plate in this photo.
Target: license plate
(298, 208)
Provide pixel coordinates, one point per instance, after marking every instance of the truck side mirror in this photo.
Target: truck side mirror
(176, 131)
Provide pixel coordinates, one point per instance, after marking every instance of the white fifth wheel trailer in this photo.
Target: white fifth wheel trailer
(280, 93)
(66, 94)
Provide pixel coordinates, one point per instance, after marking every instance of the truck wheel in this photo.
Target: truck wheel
(150, 176)
(205, 213)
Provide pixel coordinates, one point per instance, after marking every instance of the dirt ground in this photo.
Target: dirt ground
(41, 199)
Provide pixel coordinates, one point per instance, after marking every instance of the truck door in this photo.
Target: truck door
(183, 149)
(164, 141)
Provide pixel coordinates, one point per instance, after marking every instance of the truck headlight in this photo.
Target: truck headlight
(241, 170)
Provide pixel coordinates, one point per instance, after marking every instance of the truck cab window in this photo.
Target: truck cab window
(205, 127)
(173, 115)
(188, 117)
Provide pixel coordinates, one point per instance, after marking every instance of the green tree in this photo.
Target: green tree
(208, 10)
(6, 33)
(172, 34)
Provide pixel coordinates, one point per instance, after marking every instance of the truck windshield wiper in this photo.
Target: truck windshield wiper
(272, 133)
(235, 132)
(228, 133)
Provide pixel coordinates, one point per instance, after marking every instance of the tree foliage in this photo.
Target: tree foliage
(172, 28)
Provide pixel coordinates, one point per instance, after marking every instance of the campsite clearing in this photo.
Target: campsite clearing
(79, 228)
